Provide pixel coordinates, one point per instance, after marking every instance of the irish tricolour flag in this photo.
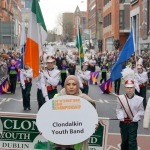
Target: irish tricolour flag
(37, 34)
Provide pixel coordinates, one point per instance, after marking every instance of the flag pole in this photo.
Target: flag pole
(78, 38)
(41, 49)
(22, 42)
(135, 51)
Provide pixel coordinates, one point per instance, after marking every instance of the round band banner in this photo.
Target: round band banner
(67, 120)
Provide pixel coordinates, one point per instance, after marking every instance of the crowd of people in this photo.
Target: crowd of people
(60, 69)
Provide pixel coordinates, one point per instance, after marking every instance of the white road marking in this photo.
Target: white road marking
(18, 100)
(110, 147)
(101, 101)
(138, 134)
(106, 101)
(3, 100)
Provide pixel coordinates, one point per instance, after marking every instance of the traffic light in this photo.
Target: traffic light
(116, 44)
(100, 44)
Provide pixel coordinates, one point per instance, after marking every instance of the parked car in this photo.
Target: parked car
(72, 44)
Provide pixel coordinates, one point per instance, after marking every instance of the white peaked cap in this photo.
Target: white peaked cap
(128, 77)
(139, 66)
(85, 63)
(140, 61)
(50, 59)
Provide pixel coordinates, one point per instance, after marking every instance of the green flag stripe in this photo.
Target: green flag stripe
(37, 11)
(80, 47)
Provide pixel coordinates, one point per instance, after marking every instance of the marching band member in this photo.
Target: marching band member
(129, 111)
(72, 67)
(26, 76)
(49, 79)
(84, 77)
(40, 97)
(146, 120)
(12, 71)
(64, 68)
(92, 64)
(103, 72)
(142, 78)
(72, 63)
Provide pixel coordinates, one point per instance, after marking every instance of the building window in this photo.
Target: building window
(28, 4)
(109, 44)
(148, 16)
(107, 20)
(83, 22)
(133, 1)
(121, 20)
(106, 2)
(124, 1)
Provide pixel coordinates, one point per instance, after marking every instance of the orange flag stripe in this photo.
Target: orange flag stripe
(31, 56)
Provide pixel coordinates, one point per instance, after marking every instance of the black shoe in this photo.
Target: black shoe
(25, 108)
(29, 108)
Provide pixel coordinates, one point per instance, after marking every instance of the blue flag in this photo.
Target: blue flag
(125, 54)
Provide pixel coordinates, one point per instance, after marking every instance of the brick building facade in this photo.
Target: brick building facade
(67, 20)
(116, 22)
(10, 24)
(140, 20)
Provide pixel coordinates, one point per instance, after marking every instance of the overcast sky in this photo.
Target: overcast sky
(52, 8)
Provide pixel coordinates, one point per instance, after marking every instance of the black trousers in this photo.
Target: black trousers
(40, 98)
(51, 93)
(85, 89)
(104, 77)
(117, 85)
(26, 95)
(63, 78)
(142, 93)
(92, 68)
(13, 82)
(71, 71)
(129, 135)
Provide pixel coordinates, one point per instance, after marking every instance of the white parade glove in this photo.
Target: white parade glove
(23, 87)
(81, 87)
(46, 75)
(46, 98)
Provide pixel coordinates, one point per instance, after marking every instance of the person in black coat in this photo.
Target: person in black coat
(59, 60)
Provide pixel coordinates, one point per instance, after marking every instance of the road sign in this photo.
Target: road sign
(65, 120)
(19, 131)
